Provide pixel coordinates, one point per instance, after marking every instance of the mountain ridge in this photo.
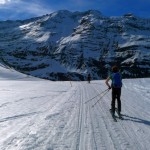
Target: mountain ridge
(68, 45)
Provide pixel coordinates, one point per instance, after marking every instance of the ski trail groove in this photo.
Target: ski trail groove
(125, 134)
(92, 125)
(103, 125)
(121, 136)
(79, 126)
(137, 140)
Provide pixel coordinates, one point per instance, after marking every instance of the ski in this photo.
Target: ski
(114, 117)
(119, 115)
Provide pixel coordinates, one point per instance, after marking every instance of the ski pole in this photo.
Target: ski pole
(96, 96)
(100, 98)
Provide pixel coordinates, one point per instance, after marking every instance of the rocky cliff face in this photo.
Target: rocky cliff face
(67, 46)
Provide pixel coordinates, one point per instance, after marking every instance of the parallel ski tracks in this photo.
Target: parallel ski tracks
(96, 130)
(121, 130)
(107, 125)
(137, 140)
(93, 128)
(80, 119)
(90, 128)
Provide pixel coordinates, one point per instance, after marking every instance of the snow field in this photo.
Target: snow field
(44, 115)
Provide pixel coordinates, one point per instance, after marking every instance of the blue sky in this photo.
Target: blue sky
(24, 9)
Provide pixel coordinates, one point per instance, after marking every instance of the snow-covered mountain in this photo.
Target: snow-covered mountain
(67, 45)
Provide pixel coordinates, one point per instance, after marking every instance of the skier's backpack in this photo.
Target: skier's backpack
(116, 80)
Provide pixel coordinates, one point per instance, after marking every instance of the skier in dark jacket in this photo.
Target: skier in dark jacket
(89, 78)
(116, 89)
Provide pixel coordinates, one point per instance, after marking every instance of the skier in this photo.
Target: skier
(116, 89)
(89, 78)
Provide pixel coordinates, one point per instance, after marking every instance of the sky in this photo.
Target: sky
(25, 9)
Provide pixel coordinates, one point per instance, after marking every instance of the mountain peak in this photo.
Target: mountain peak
(129, 15)
(94, 12)
(67, 45)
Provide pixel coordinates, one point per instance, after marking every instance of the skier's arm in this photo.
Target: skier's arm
(107, 80)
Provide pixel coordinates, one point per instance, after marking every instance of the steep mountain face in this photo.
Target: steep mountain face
(67, 46)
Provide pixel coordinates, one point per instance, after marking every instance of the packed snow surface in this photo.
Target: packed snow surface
(44, 115)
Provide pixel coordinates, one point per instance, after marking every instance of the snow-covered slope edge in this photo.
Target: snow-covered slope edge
(10, 74)
(67, 45)
(7, 73)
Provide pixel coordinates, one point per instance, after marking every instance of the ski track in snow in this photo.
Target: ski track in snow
(45, 115)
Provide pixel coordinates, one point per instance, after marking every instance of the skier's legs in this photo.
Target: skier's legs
(113, 100)
(118, 99)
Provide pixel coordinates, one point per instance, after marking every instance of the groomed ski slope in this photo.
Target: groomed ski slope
(37, 114)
